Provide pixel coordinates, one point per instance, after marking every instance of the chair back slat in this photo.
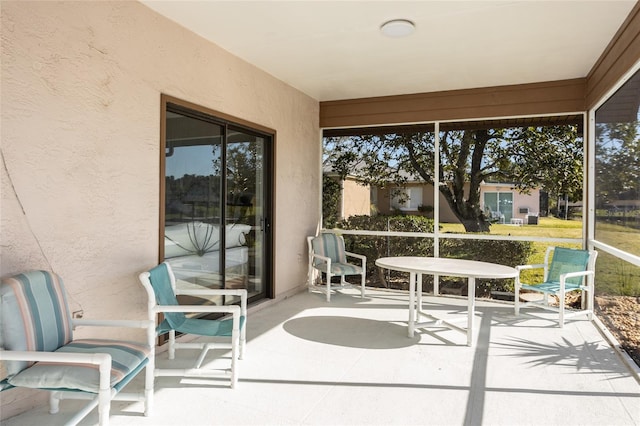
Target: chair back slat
(34, 315)
(567, 260)
(331, 246)
(161, 283)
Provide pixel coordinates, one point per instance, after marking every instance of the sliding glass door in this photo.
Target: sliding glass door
(499, 205)
(216, 204)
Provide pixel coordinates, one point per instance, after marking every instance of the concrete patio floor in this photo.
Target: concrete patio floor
(350, 362)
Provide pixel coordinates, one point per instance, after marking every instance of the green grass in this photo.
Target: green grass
(615, 276)
(622, 237)
(547, 227)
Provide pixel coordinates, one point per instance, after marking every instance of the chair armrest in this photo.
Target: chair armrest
(229, 309)
(55, 357)
(149, 325)
(323, 258)
(525, 267)
(78, 322)
(212, 292)
(563, 277)
(359, 256)
(219, 292)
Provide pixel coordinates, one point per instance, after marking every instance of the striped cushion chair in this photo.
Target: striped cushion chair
(327, 255)
(566, 271)
(38, 349)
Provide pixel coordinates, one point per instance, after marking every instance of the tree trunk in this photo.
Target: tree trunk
(476, 225)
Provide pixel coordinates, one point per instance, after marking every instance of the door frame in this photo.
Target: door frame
(269, 178)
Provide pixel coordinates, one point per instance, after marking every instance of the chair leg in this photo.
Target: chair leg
(104, 406)
(590, 307)
(561, 298)
(516, 303)
(313, 278)
(243, 340)
(149, 379)
(172, 344)
(54, 403)
(328, 286)
(234, 356)
(203, 353)
(362, 286)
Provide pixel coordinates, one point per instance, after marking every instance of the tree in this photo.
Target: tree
(548, 157)
(243, 170)
(331, 194)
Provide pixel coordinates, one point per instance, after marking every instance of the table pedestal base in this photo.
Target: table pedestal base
(415, 309)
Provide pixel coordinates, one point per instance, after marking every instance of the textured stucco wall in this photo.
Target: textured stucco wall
(356, 198)
(446, 214)
(81, 85)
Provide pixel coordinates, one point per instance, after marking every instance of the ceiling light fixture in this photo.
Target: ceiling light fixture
(398, 28)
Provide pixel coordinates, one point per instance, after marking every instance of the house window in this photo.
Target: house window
(406, 199)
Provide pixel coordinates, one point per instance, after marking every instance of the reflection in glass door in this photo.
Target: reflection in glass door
(215, 210)
(245, 214)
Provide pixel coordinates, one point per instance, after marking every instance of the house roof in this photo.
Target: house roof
(333, 50)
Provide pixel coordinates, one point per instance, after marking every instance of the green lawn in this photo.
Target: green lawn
(547, 227)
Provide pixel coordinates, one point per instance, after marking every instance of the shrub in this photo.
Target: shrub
(377, 247)
(510, 253)
(331, 193)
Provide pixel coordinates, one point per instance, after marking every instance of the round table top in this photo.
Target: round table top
(447, 267)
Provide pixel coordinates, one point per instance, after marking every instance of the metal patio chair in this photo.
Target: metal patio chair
(567, 271)
(327, 255)
(160, 284)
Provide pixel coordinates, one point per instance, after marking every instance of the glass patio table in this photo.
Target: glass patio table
(470, 269)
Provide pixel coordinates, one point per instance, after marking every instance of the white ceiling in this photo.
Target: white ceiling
(334, 50)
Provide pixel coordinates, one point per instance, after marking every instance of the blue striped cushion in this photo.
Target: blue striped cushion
(125, 357)
(331, 246)
(34, 315)
(341, 269)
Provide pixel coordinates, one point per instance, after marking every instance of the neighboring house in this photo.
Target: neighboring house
(358, 201)
(411, 199)
(355, 197)
(500, 201)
